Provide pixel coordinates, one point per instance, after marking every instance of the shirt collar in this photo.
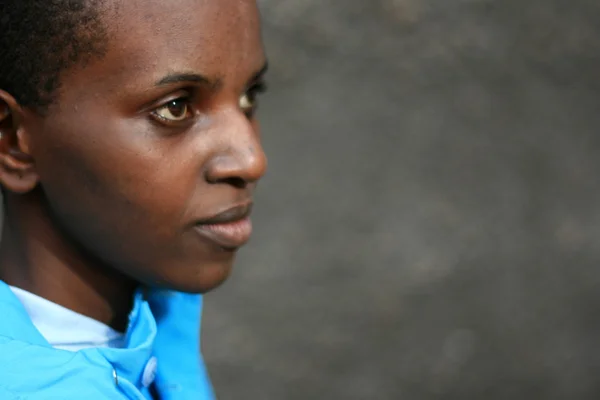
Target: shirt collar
(128, 363)
(131, 361)
(21, 328)
(51, 319)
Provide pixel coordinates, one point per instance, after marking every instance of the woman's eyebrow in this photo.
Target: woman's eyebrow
(259, 74)
(179, 77)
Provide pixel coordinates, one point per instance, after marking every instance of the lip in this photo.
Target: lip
(229, 229)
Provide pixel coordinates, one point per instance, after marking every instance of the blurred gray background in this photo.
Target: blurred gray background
(429, 228)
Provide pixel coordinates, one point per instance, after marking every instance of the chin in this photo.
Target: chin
(203, 279)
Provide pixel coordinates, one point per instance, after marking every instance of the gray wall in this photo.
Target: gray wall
(429, 227)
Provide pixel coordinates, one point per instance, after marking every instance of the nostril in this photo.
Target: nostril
(236, 182)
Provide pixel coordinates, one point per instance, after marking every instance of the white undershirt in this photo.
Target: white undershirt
(65, 329)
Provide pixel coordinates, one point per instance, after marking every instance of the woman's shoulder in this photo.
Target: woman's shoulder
(31, 371)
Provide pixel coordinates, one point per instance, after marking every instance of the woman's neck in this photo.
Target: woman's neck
(37, 257)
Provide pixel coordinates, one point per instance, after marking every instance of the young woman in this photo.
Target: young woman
(129, 153)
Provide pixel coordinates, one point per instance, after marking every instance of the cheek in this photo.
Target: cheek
(118, 182)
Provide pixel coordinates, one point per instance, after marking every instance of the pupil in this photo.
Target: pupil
(177, 108)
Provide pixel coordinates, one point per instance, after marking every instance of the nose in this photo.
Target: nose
(241, 159)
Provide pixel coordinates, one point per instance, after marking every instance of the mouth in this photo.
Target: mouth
(230, 229)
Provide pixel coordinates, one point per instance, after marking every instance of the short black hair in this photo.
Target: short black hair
(41, 38)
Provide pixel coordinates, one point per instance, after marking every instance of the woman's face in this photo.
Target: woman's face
(151, 152)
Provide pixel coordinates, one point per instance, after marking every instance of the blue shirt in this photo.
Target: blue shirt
(162, 348)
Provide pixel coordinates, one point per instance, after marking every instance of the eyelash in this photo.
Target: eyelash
(252, 92)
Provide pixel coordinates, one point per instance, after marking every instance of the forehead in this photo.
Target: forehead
(148, 38)
(186, 24)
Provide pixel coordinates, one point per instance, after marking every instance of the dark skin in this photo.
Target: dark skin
(104, 189)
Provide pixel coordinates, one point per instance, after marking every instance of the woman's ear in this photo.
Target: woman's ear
(17, 168)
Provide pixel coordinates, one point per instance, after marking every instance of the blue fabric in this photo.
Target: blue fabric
(162, 324)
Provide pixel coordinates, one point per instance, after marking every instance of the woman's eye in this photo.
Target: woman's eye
(248, 101)
(175, 110)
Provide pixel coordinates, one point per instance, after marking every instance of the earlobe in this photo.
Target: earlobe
(17, 167)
